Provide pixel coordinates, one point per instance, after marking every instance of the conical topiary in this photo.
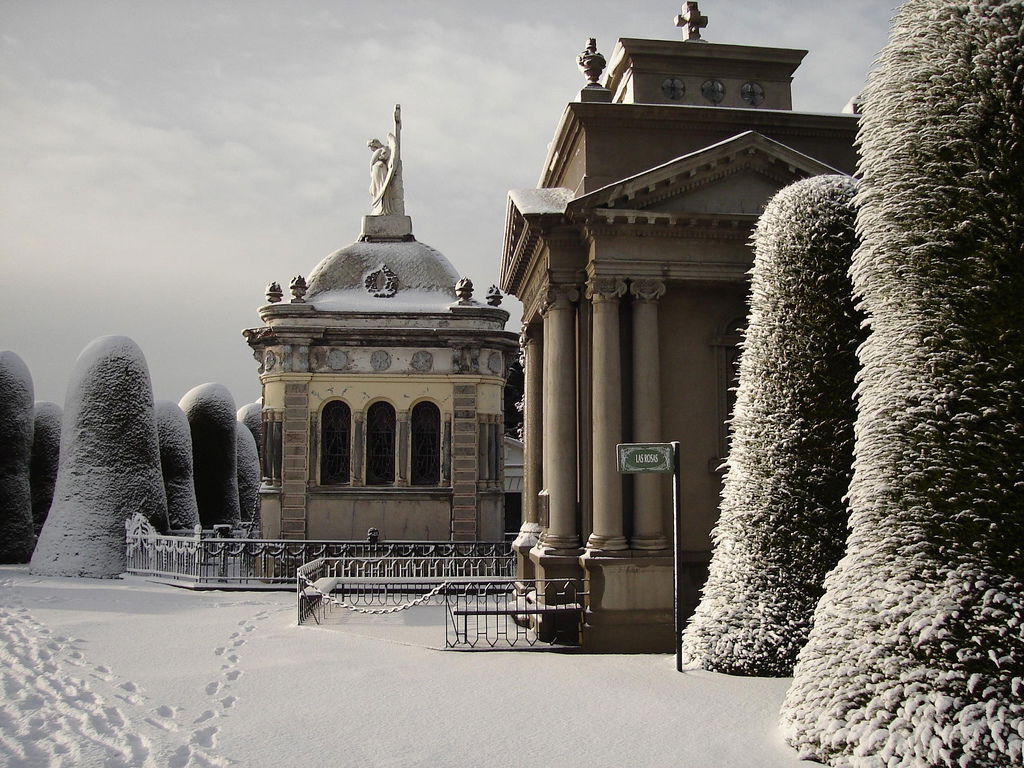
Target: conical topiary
(248, 467)
(783, 516)
(17, 535)
(917, 652)
(210, 411)
(109, 464)
(45, 459)
(176, 466)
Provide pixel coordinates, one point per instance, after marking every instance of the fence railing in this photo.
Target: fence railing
(253, 563)
(500, 612)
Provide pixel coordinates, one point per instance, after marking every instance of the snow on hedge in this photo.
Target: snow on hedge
(210, 411)
(248, 466)
(783, 516)
(916, 657)
(45, 458)
(251, 414)
(176, 465)
(17, 534)
(109, 464)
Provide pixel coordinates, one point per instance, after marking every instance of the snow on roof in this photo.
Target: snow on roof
(408, 271)
(538, 201)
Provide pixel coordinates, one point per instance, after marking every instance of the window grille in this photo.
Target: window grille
(336, 439)
(380, 444)
(426, 444)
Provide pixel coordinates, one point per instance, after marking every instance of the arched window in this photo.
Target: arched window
(336, 439)
(426, 445)
(380, 444)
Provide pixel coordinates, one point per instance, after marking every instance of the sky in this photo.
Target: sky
(162, 162)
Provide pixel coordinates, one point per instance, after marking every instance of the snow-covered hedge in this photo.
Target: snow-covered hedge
(176, 465)
(45, 458)
(109, 464)
(783, 516)
(916, 657)
(210, 411)
(251, 414)
(248, 462)
(17, 534)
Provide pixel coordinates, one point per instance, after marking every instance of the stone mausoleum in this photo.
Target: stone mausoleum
(631, 258)
(382, 388)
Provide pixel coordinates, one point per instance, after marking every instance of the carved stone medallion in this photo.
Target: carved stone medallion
(338, 359)
(495, 363)
(380, 360)
(270, 360)
(713, 91)
(422, 361)
(673, 88)
(752, 93)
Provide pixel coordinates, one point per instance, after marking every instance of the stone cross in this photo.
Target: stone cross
(691, 20)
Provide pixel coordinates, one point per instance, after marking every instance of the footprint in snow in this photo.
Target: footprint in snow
(206, 737)
(213, 688)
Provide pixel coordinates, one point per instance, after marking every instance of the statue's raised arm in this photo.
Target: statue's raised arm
(386, 187)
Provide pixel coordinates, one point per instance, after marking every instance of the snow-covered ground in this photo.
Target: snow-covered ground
(132, 673)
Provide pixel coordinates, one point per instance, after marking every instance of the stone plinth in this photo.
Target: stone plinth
(629, 609)
(554, 566)
(386, 227)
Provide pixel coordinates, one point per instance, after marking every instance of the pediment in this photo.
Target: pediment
(735, 176)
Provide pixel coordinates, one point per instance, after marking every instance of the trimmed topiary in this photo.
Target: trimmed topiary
(109, 464)
(17, 535)
(251, 414)
(45, 459)
(248, 464)
(783, 516)
(210, 411)
(917, 653)
(176, 466)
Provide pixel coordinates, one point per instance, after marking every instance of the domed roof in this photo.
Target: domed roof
(383, 276)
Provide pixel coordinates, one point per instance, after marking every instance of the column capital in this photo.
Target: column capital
(560, 297)
(530, 333)
(647, 289)
(605, 288)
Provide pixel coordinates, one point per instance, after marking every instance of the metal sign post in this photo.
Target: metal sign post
(663, 457)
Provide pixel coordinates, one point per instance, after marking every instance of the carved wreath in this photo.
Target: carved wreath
(382, 283)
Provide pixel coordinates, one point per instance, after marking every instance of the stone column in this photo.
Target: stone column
(604, 293)
(402, 448)
(648, 489)
(533, 350)
(560, 418)
(465, 467)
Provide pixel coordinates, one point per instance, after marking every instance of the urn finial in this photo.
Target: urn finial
(591, 63)
(464, 290)
(298, 288)
(274, 292)
(494, 296)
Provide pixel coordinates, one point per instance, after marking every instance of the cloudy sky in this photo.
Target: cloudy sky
(161, 162)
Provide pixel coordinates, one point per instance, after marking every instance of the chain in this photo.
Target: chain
(376, 611)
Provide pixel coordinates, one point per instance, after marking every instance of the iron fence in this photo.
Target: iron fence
(224, 563)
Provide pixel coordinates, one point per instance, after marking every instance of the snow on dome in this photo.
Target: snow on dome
(176, 465)
(16, 424)
(376, 276)
(45, 458)
(210, 410)
(248, 468)
(109, 464)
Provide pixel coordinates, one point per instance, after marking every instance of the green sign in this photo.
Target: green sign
(644, 457)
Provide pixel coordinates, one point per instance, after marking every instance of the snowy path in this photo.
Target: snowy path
(129, 673)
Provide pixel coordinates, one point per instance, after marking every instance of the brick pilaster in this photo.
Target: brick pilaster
(295, 472)
(464, 464)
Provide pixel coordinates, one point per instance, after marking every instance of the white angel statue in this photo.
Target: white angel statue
(386, 171)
